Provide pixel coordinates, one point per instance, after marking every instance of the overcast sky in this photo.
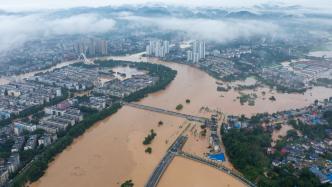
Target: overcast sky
(24, 5)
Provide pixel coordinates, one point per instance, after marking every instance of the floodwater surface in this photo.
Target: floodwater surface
(112, 152)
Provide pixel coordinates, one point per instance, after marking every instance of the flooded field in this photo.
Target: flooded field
(112, 151)
(126, 72)
(326, 54)
(247, 82)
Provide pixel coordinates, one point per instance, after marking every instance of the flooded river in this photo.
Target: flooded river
(5, 80)
(112, 151)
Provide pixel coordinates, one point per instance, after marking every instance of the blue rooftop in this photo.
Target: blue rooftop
(218, 157)
(329, 176)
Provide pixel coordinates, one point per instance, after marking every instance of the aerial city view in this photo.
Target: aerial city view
(166, 93)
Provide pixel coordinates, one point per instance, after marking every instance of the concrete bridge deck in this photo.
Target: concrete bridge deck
(163, 111)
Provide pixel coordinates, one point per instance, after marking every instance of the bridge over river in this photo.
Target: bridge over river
(175, 149)
(168, 112)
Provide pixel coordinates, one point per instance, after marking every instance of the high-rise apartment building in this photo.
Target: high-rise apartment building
(197, 53)
(157, 48)
(92, 47)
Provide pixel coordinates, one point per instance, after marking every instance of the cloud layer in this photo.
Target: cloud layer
(16, 30)
(19, 5)
(215, 30)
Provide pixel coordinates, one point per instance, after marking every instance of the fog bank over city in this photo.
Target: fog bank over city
(238, 21)
(212, 30)
(17, 29)
(29, 5)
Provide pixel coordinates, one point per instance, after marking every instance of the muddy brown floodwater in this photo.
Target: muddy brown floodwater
(111, 151)
(187, 173)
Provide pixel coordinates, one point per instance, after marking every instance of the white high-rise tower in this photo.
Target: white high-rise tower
(201, 49)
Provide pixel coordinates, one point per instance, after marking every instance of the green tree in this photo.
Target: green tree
(179, 107)
(148, 150)
(128, 183)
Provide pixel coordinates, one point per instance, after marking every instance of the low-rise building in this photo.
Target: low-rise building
(31, 143)
(45, 140)
(13, 162)
(18, 144)
(4, 175)
(24, 126)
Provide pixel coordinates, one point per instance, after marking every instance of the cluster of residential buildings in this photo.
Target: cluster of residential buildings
(11, 164)
(70, 77)
(122, 88)
(299, 74)
(312, 69)
(309, 152)
(18, 96)
(21, 142)
(311, 115)
(100, 80)
(8, 167)
(218, 66)
(306, 153)
(157, 48)
(36, 55)
(97, 103)
(127, 45)
(280, 76)
(197, 53)
(91, 47)
(59, 117)
(232, 52)
(54, 120)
